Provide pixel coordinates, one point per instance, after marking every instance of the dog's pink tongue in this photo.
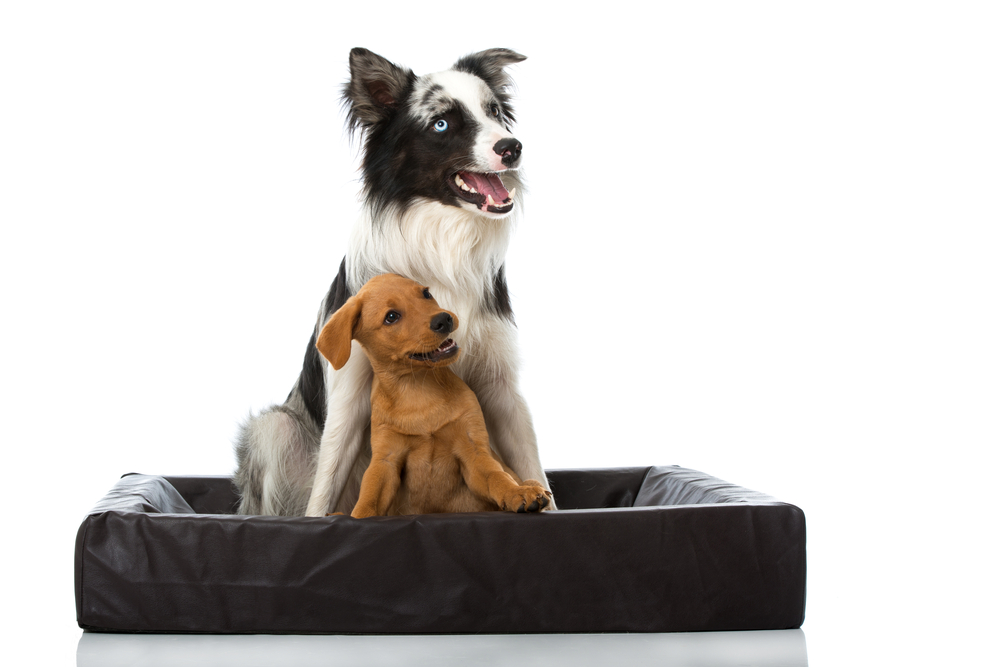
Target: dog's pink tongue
(487, 184)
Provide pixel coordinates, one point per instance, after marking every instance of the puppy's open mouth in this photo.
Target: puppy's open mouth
(446, 350)
(486, 191)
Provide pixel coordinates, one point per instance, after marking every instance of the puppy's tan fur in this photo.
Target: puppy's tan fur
(430, 448)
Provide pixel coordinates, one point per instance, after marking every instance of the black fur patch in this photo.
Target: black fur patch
(403, 161)
(338, 293)
(499, 300)
(312, 382)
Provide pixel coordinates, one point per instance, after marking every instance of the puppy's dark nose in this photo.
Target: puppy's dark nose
(509, 150)
(442, 323)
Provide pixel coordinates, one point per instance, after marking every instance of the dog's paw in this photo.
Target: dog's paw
(529, 497)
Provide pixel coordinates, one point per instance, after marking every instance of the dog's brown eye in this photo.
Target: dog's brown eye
(427, 293)
(391, 317)
(495, 110)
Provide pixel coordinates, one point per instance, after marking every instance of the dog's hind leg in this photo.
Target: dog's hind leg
(275, 453)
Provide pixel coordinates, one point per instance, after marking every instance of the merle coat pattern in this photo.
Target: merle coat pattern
(440, 172)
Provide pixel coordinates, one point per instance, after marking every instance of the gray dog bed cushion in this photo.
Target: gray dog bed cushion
(654, 549)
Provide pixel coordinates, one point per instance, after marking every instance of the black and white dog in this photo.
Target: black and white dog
(440, 193)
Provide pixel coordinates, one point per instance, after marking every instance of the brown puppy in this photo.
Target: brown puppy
(430, 448)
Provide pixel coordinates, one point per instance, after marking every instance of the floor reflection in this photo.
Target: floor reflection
(774, 648)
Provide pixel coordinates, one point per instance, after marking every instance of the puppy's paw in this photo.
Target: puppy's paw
(529, 497)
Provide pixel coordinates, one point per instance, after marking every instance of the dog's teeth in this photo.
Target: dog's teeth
(465, 186)
(510, 195)
(489, 200)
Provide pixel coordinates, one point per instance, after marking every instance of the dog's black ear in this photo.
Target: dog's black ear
(334, 340)
(488, 65)
(377, 87)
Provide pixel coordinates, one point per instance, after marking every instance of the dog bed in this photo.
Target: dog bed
(655, 549)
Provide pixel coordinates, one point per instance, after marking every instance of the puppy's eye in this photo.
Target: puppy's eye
(391, 317)
(441, 125)
(495, 110)
(427, 293)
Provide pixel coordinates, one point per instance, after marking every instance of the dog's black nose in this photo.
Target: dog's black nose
(509, 150)
(442, 323)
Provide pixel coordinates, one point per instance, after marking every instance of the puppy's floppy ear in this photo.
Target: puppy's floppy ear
(334, 340)
(376, 88)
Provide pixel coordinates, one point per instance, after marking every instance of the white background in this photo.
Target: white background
(761, 240)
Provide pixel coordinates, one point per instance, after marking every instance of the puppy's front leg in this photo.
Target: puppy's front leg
(348, 412)
(485, 476)
(382, 480)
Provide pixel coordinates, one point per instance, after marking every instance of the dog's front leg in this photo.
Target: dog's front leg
(508, 420)
(348, 413)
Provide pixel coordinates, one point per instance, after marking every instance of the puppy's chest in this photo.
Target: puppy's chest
(432, 477)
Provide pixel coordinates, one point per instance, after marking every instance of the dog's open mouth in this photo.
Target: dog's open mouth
(446, 350)
(485, 190)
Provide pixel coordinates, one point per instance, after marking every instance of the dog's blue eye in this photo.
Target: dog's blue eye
(391, 317)
(441, 125)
